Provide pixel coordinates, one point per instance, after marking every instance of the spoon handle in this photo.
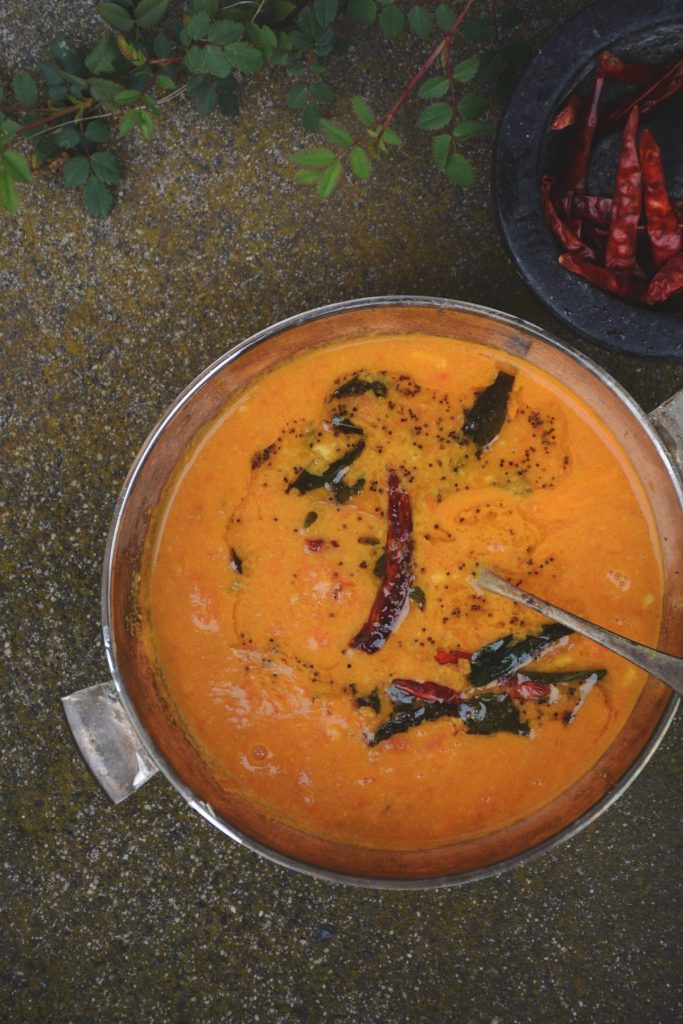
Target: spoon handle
(664, 666)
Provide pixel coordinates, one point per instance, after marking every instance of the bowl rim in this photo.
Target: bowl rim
(283, 860)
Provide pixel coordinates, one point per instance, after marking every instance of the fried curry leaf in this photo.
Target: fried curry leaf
(236, 562)
(504, 656)
(310, 519)
(483, 716)
(484, 421)
(342, 491)
(417, 596)
(344, 425)
(492, 712)
(359, 386)
(557, 678)
(332, 476)
(370, 700)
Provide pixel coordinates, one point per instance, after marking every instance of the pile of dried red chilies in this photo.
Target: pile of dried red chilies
(629, 244)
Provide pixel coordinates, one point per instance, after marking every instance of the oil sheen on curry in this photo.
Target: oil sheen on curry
(311, 602)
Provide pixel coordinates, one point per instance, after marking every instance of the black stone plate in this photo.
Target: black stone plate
(650, 30)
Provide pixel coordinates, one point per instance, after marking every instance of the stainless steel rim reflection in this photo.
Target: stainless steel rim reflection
(188, 795)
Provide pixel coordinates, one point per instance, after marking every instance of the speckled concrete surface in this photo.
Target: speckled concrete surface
(144, 912)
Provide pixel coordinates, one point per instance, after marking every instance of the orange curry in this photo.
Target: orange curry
(311, 602)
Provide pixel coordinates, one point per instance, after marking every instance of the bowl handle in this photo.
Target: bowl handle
(667, 420)
(105, 736)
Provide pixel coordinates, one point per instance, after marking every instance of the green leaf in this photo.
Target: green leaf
(280, 10)
(433, 89)
(67, 137)
(162, 46)
(49, 73)
(460, 170)
(116, 16)
(105, 92)
(297, 97)
(363, 12)
(129, 121)
(210, 6)
(223, 32)
(435, 116)
(417, 596)
(105, 166)
(97, 197)
(315, 157)
(215, 61)
(203, 92)
(9, 128)
(392, 21)
(244, 56)
(490, 66)
(420, 21)
(127, 96)
(466, 129)
(311, 118)
(445, 16)
(306, 177)
(101, 58)
(227, 97)
(466, 69)
(194, 60)
(329, 180)
(359, 162)
(441, 145)
(198, 27)
(76, 171)
(391, 138)
(478, 30)
(149, 12)
(45, 149)
(98, 131)
(321, 92)
(8, 193)
(363, 111)
(164, 82)
(325, 11)
(25, 89)
(472, 106)
(335, 133)
(146, 124)
(15, 165)
(61, 48)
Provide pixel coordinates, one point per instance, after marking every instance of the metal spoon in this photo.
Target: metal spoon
(664, 666)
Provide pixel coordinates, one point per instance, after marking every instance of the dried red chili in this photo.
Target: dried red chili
(648, 99)
(433, 693)
(663, 228)
(620, 252)
(569, 113)
(632, 288)
(575, 178)
(453, 656)
(594, 209)
(561, 230)
(627, 72)
(667, 280)
(598, 209)
(392, 598)
(524, 689)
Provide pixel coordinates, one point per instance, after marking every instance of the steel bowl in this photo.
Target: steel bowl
(128, 729)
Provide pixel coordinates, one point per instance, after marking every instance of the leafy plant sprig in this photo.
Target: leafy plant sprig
(70, 111)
